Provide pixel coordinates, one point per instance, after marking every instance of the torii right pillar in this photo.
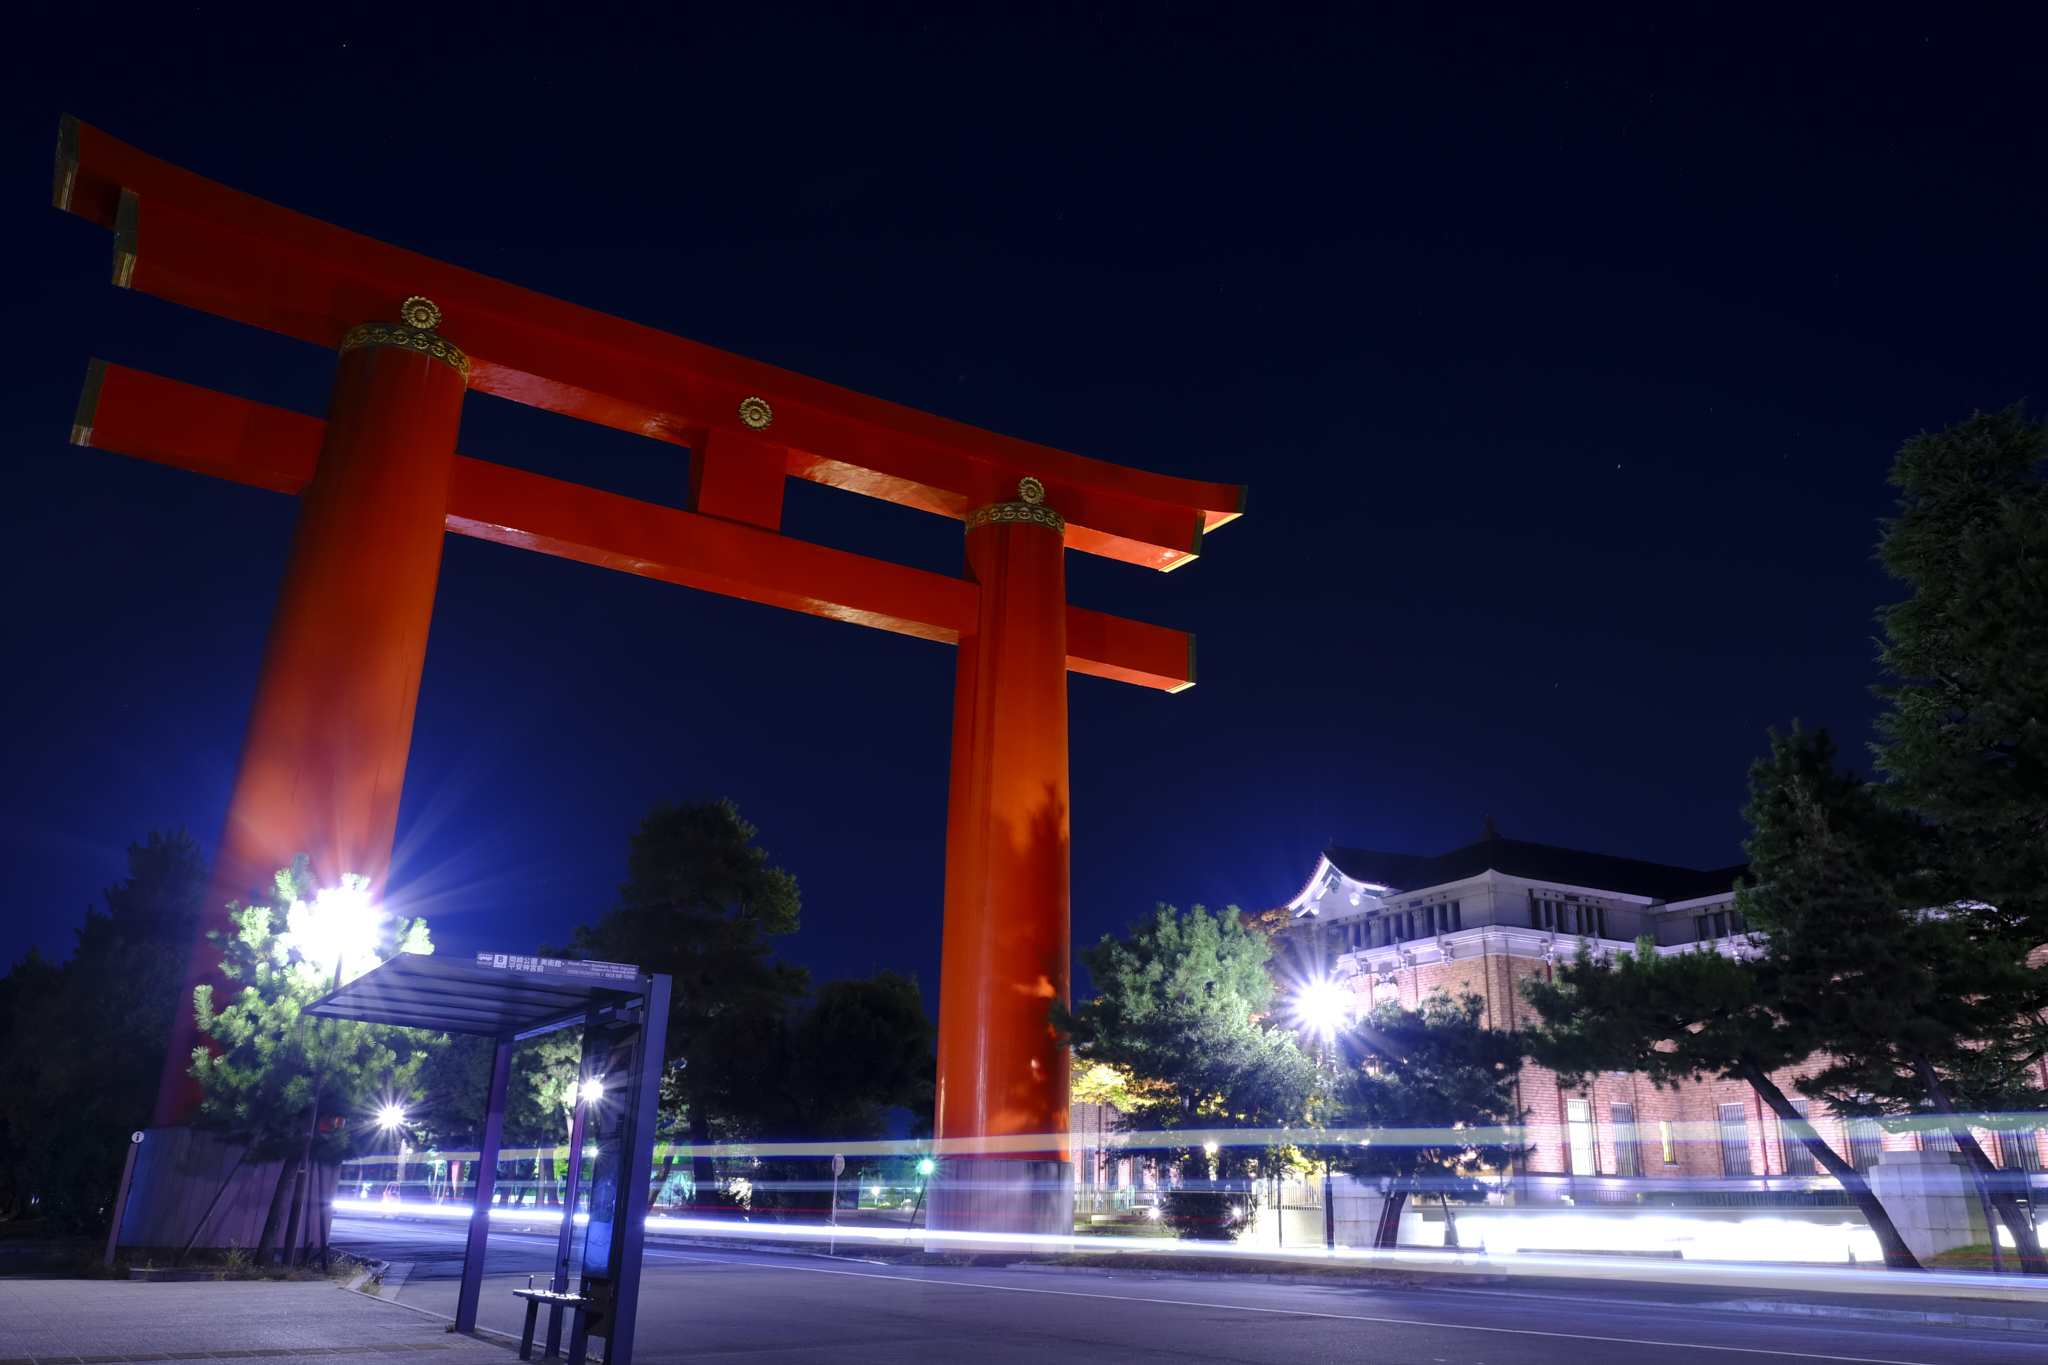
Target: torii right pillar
(1001, 1119)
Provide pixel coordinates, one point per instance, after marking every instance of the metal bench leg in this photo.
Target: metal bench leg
(554, 1349)
(526, 1337)
(579, 1338)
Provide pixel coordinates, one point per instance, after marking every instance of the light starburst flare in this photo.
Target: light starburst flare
(1322, 1007)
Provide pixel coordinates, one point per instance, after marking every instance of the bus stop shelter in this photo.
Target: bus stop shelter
(510, 998)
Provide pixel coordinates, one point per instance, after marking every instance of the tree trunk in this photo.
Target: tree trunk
(1388, 1235)
(1450, 1223)
(298, 1225)
(702, 1168)
(667, 1164)
(2032, 1262)
(275, 1218)
(1897, 1255)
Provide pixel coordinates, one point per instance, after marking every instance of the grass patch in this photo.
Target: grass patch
(1976, 1257)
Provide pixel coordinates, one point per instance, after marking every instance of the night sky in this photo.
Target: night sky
(1564, 355)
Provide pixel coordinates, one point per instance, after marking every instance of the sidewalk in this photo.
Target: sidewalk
(92, 1322)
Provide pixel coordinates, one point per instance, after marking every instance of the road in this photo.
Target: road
(706, 1303)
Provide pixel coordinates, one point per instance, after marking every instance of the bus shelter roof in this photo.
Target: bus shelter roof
(499, 995)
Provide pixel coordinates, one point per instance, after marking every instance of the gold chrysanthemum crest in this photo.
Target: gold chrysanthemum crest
(421, 312)
(1031, 491)
(756, 413)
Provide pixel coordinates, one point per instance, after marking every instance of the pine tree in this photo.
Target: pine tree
(1180, 1009)
(273, 1072)
(1965, 744)
(1422, 1076)
(701, 902)
(1923, 1006)
(1684, 1016)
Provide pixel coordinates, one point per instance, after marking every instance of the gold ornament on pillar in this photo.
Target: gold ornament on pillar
(415, 333)
(419, 312)
(1029, 508)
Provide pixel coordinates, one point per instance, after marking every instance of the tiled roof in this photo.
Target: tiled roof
(1536, 862)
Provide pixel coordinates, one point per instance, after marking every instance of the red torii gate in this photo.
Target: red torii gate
(324, 756)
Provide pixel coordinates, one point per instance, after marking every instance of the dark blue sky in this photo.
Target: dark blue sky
(1564, 355)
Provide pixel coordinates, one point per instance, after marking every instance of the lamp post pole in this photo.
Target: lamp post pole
(564, 1239)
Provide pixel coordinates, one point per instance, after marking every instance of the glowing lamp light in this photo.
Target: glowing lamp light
(340, 926)
(592, 1090)
(1322, 1007)
(390, 1116)
(924, 1167)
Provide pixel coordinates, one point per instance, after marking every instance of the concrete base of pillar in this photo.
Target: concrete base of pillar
(981, 1203)
(1932, 1200)
(1355, 1207)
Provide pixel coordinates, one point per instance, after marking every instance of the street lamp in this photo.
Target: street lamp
(340, 925)
(1322, 1007)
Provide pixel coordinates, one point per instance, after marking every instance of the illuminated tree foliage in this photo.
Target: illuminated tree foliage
(1180, 1010)
(271, 1068)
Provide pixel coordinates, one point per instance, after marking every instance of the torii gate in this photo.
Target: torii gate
(323, 759)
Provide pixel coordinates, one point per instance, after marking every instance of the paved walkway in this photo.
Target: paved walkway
(89, 1322)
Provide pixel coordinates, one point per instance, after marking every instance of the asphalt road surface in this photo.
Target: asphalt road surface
(703, 1303)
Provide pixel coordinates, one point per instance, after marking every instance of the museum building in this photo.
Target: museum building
(1482, 918)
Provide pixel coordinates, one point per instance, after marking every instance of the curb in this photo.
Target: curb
(1934, 1318)
(1388, 1280)
(374, 1270)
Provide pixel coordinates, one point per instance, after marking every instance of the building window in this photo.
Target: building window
(1720, 924)
(1565, 917)
(1670, 1145)
(1578, 1116)
(1457, 917)
(1624, 1117)
(1798, 1156)
(1866, 1143)
(2019, 1151)
(1734, 1140)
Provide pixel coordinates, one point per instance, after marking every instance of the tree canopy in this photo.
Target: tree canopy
(1922, 1008)
(272, 1071)
(1965, 743)
(1420, 1076)
(765, 1055)
(1180, 1009)
(82, 1042)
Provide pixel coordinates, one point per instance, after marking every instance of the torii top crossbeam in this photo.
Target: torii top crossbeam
(380, 482)
(187, 239)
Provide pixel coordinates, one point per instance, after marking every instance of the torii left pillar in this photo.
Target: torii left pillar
(323, 759)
